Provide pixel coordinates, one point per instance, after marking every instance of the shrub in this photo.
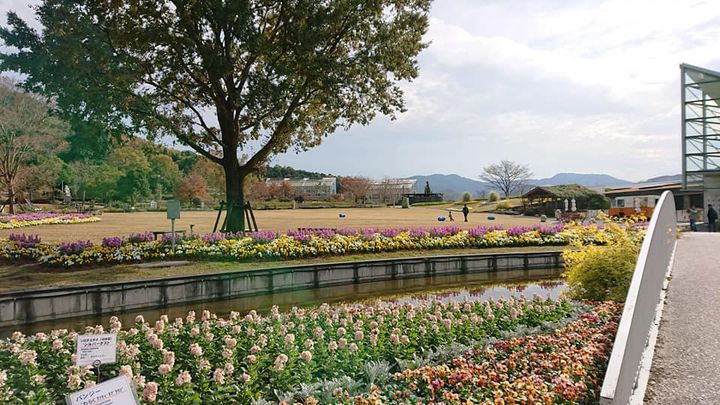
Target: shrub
(493, 196)
(602, 272)
(503, 206)
(466, 197)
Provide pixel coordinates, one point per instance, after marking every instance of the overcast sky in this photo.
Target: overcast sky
(563, 86)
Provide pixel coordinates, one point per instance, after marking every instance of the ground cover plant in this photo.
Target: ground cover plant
(429, 349)
(13, 221)
(269, 245)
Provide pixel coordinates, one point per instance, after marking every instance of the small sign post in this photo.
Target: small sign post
(173, 213)
(100, 348)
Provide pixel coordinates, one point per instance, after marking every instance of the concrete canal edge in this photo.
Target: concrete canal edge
(29, 306)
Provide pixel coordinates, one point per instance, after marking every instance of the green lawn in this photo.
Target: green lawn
(21, 277)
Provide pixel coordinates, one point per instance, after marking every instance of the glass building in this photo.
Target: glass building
(700, 94)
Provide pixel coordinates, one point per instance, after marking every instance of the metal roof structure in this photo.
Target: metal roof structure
(700, 98)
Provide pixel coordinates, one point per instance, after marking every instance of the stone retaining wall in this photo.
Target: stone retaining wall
(30, 306)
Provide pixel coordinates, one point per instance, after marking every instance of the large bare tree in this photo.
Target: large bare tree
(506, 176)
(256, 77)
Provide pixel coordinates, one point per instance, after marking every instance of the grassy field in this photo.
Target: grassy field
(123, 224)
(15, 278)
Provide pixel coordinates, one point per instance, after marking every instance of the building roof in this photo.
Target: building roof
(306, 182)
(559, 192)
(644, 189)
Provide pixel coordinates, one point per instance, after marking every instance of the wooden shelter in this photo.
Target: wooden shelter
(546, 199)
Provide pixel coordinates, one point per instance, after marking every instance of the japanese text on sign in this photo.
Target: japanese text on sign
(93, 348)
(117, 391)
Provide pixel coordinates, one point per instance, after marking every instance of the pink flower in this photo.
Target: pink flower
(196, 350)
(139, 319)
(246, 377)
(306, 355)
(57, 345)
(342, 343)
(183, 378)
(28, 357)
(150, 392)
(219, 376)
(169, 357)
(164, 369)
(230, 342)
(309, 344)
(341, 331)
(359, 335)
(251, 358)
(126, 371)
(289, 339)
(280, 361)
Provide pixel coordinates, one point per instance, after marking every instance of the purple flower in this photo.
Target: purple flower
(549, 229)
(168, 237)
(346, 231)
(445, 230)
(518, 230)
(74, 247)
(24, 241)
(213, 237)
(141, 237)
(418, 233)
(112, 242)
(263, 236)
(390, 232)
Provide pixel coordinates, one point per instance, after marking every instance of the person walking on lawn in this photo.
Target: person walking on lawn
(465, 211)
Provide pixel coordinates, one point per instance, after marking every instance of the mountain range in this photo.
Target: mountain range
(453, 186)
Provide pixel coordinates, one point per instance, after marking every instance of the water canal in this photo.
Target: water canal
(460, 287)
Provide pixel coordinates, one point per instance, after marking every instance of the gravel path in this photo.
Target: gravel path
(686, 365)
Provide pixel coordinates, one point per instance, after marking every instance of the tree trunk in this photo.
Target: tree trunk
(235, 221)
(11, 197)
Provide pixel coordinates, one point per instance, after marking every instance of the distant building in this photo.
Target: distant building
(626, 201)
(700, 107)
(314, 188)
(390, 191)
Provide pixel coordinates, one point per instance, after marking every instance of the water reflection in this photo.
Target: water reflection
(474, 287)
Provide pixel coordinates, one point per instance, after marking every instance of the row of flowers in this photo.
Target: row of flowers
(566, 367)
(13, 221)
(335, 354)
(271, 246)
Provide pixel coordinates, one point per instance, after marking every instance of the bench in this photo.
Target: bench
(160, 233)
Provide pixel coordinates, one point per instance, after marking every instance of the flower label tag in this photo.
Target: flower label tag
(96, 349)
(116, 391)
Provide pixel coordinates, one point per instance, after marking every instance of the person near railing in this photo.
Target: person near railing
(693, 214)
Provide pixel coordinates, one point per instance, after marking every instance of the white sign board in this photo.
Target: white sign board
(116, 391)
(92, 348)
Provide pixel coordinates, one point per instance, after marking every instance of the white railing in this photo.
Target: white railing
(641, 303)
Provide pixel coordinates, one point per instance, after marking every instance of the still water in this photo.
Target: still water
(461, 287)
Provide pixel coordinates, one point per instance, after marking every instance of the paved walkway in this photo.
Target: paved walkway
(686, 365)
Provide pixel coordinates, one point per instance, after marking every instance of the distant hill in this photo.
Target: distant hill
(664, 179)
(451, 185)
(587, 180)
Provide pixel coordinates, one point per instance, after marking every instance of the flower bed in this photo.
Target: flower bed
(337, 354)
(43, 218)
(268, 245)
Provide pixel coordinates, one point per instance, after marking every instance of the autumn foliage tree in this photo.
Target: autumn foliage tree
(355, 188)
(191, 187)
(222, 77)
